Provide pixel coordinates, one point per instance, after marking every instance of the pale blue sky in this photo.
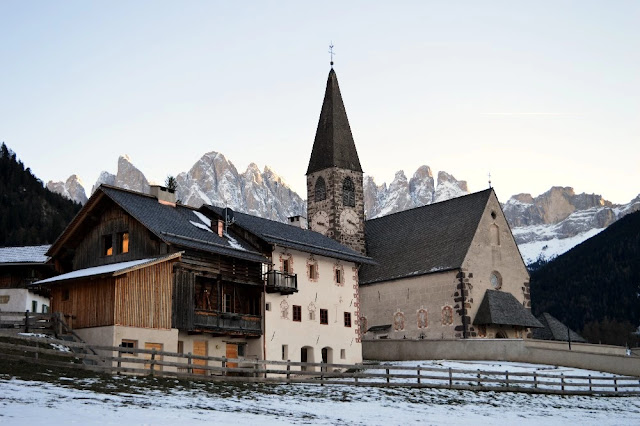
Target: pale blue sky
(538, 93)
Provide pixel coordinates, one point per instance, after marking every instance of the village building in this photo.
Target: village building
(442, 271)
(19, 268)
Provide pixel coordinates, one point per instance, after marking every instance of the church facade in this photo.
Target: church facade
(442, 271)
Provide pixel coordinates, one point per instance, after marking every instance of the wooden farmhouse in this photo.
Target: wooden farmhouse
(139, 270)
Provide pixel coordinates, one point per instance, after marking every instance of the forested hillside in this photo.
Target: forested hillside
(595, 287)
(30, 214)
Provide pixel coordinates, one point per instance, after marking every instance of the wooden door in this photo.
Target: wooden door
(232, 352)
(158, 347)
(200, 349)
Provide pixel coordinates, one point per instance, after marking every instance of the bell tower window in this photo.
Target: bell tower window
(321, 190)
(348, 193)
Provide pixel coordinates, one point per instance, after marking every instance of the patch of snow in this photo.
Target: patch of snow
(234, 243)
(203, 218)
(201, 226)
(25, 254)
(548, 249)
(96, 270)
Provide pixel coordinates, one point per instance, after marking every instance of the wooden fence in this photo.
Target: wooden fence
(27, 322)
(52, 352)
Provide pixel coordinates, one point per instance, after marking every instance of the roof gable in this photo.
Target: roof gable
(424, 240)
(333, 145)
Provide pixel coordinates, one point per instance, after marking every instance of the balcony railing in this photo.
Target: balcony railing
(226, 322)
(281, 282)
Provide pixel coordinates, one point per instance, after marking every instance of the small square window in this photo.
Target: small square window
(107, 245)
(324, 316)
(343, 353)
(338, 276)
(267, 306)
(297, 313)
(347, 319)
(128, 344)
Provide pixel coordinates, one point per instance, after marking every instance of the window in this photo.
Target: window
(123, 242)
(45, 309)
(180, 346)
(34, 306)
(297, 313)
(267, 306)
(313, 271)
(107, 245)
(321, 190)
(312, 315)
(129, 344)
(286, 266)
(338, 276)
(242, 350)
(324, 316)
(227, 301)
(5, 299)
(496, 280)
(347, 319)
(348, 193)
(65, 294)
(285, 352)
(343, 353)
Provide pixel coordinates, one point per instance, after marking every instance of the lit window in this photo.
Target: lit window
(297, 313)
(107, 245)
(347, 319)
(123, 241)
(324, 316)
(343, 353)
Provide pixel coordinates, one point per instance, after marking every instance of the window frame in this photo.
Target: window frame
(134, 345)
(297, 313)
(347, 319)
(348, 192)
(324, 316)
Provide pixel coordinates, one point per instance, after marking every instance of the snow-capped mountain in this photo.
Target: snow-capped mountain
(72, 189)
(543, 226)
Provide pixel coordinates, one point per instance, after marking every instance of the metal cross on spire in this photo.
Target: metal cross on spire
(331, 53)
(489, 179)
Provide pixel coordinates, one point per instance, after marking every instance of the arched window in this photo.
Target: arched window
(348, 193)
(321, 190)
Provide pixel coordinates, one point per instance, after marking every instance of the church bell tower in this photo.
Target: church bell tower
(335, 200)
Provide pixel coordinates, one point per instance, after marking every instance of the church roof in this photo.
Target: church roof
(333, 145)
(502, 308)
(424, 240)
(555, 330)
(290, 236)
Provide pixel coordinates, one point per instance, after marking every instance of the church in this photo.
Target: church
(447, 270)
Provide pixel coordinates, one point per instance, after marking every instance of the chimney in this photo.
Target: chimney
(164, 195)
(220, 228)
(298, 221)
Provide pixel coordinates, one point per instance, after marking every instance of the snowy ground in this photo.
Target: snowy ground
(47, 398)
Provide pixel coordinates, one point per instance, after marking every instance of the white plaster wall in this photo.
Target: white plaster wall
(20, 300)
(324, 294)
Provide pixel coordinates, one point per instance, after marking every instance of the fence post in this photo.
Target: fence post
(615, 382)
(153, 361)
(418, 374)
(119, 356)
(506, 373)
(479, 384)
(562, 381)
(255, 370)
(26, 321)
(590, 388)
(288, 369)
(450, 378)
(224, 365)
(189, 368)
(535, 380)
(388, 376)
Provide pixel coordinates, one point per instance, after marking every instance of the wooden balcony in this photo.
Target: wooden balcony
(280, 282)
(226, 323)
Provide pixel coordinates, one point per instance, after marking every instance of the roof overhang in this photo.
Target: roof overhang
(502, 308)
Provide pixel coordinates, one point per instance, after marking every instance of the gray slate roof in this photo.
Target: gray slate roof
(553, 329)
(173, 224)
(25, 254)
(333, 145)
(294, 237)
(501, 308)
(427, 239)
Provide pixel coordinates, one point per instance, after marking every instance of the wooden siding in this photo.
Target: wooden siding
(90, 303)
(112, 221)
(143, 297)
(183, 299)
(231, 269)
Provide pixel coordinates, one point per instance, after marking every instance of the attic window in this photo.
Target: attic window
(107, 245)
(123, 242)
(348, 193)
(321, 190)
(493, 215)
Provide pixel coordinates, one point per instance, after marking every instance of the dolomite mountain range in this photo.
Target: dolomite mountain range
(544, 226)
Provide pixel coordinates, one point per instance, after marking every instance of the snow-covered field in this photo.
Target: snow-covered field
(116, 400)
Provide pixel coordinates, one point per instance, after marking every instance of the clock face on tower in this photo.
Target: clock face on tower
(320, 222)
(349, 221)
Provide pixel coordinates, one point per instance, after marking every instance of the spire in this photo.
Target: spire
(333, 145)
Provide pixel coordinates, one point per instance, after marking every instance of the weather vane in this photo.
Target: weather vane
(331, 53)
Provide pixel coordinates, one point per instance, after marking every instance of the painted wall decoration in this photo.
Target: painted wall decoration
(447, 315)
(422, 318)
(398, 321)
(284, 309)
(312, 311)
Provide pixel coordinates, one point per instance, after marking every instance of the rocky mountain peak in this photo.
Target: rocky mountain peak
(72, 188)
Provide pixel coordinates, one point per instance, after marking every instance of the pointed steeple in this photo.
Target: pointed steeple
(333, 145)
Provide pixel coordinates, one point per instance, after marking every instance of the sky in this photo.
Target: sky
(538, 94)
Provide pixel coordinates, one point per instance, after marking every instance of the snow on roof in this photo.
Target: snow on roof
(114, 269)
(26, 254)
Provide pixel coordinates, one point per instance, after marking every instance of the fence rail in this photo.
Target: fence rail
(118, 360)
